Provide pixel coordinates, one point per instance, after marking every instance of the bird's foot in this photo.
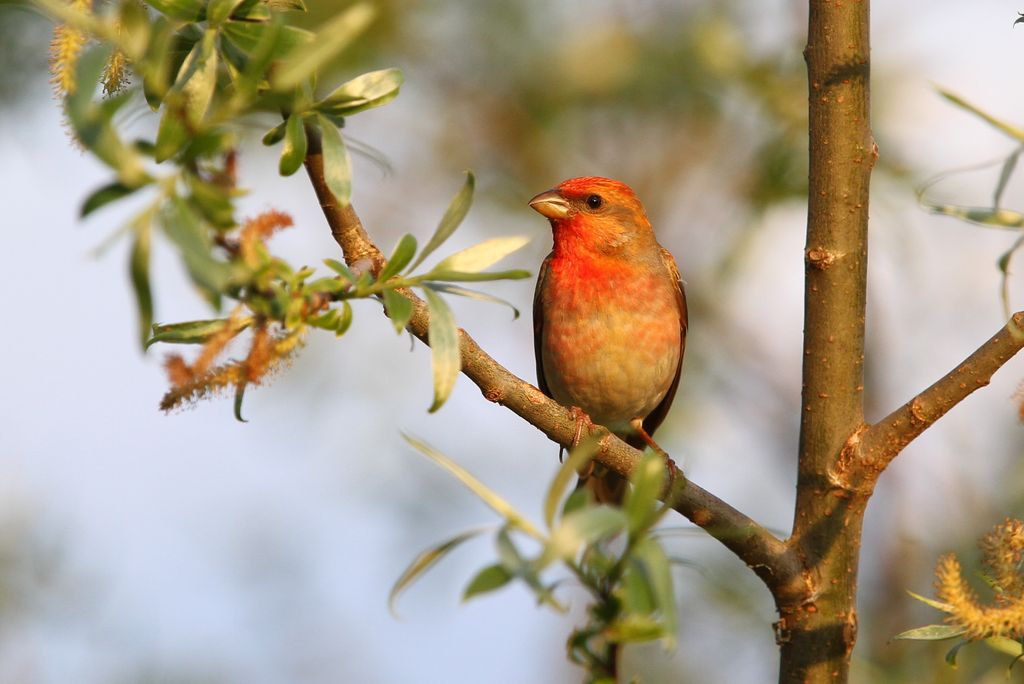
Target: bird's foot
(670, 465)
(582, 421)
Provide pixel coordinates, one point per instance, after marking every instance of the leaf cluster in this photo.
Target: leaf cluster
(613, 554)
(206, 68)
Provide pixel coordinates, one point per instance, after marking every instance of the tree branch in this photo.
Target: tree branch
(764, 553)
(880, 443)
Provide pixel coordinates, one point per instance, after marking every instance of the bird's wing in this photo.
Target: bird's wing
(538, 324)
(654, 418)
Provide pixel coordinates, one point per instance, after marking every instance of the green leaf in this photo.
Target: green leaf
(239, 395)
(286, 5)
(583, 528)
(398, 307)
(474, 294)
(579, 457)
(938, 605)
(985, 216)
(480, 256)
(184, 229)
(635, 629)
(345, 320)
(171, 136)
(444, 348)
(641, 502)
(139, 271)
(341, 269)
(217, 11)
(201, 79)
(453, 216)
(459, 277)
(104, 196)
(275, 134)
(363, 92)
(295, 143)
(489, 579)
(1004, 176)
(334, 37)
(212, 201)
(337, 165)
(1010, 647)
(185, 10)
(931, 633)
(951, 653)
(400, 258)
(1001, 126)
(652, 561)
(487, 495)
(195, 332)
(424, 561)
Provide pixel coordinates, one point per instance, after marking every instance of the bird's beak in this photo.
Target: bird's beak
(550, 204)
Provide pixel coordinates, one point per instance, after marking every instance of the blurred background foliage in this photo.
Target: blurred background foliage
(700, 106)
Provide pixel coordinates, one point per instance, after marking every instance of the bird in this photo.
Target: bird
(609, 317)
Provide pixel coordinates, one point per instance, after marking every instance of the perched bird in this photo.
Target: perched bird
(609, 316)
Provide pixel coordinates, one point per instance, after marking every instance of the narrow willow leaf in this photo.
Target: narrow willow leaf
(286, 5)
(424, 561)
(334, 37)
(453, 216)
(582, 528)
(985, 216)
(363, 92)
(337, 165)
(951, 653)
(293, 152)
(658, 572)
(481, 256)
(239, 395)
(579, 457)
(444, 348)
(489, 579)
(486, 494)
(275, 134)
(104, 196)
(341, 269)
(641, 502)
(931, 633)
(1009, 166)
(459, 277)
(194, 332)
(400, 258)
(1001, 126)
(185, 10)
(398, 307)
(199, 87)
(474, 294)
(345, 320)
(184, 229)
(139, 271)
(218, 11)
(212, 201)
(1010, 647)
(938, 605)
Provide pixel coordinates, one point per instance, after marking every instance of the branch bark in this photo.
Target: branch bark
(762, 551)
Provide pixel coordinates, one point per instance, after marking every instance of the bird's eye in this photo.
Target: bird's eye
(594, 201)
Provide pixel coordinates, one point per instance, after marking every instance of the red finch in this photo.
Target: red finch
(609, 316)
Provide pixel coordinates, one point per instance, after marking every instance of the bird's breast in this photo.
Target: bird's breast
(611, 337)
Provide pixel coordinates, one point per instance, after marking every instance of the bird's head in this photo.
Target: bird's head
(596, 213)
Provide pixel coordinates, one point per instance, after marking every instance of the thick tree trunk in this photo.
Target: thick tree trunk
(816, 634)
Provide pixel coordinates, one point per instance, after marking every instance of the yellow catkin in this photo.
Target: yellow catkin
(216, 344)
(115, 75)
(65, 49)
(1003, 549)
